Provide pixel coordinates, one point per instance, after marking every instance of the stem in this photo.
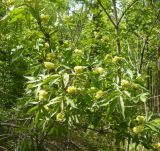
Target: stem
(117, 28)
(118, 51)
(117, 34)
(142, 54)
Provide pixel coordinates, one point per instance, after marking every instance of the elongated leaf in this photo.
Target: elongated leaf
(122, 106)
(143, 97)
(51, 79)
(130, 73)
(70, 102)
(30, 78)
(151, 127)
(65, 79)
(154, 125)
(54, 101)
(127, 93)
(32, 109)
(36, 118)
(5, 17)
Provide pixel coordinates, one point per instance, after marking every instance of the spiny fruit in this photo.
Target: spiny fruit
(44, 17)
(104, 39)
(99, 94)
(125, 83)
(78, 51)
(46, 45)
(78, 69)
(65, 17)
(96, 34)
(42, 94)
(71, 89)
(138, 129)
(60, 117)
(107, 57)
(116, 59)
(156, 146)
(50, 56)
(99, 70)
(10, 2)
(49, 65)
(140, 119)
(46, 107)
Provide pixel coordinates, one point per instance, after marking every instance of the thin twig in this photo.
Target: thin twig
(125, 11)
(54, 144)
(1, 147)
(107, 13)
(142, 53)
(9, 125)
(154, 96)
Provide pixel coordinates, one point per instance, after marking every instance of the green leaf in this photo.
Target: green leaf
(154, 125)
(143, 97)
(70, 102)
(130, 73)
(151, 127)
(122, 106)
(127, 93)
(5, 17)
(36, 118)
(30, 78)
(65, 79)
(62, 105)
(32, 109)
(54, 101)
(52, 78)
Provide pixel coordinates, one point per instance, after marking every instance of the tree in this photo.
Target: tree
(87, 68)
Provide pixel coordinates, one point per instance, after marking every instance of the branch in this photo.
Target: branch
(125, 11)
(9, 125)
(142, 54)
(77, 145)
(55, 144)
(109, 17)
(3, 148)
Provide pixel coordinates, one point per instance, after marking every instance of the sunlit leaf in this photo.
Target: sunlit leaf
(122, 106)
(65, 79)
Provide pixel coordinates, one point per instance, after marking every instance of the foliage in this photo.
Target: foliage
(76, 72)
